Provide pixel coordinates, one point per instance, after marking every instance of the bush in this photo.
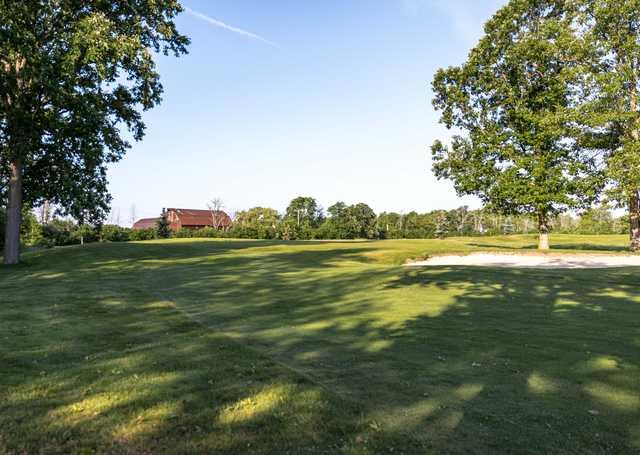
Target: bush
(143, 234)
(184, 234)
(58, 233)
(114, 233)
(84, 233)
(206, 232)
(46, 243)
(30, 229)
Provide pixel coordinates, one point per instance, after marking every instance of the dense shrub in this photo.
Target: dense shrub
(66, 232)
(84, 233)
(30, 229)
(143, 234)
(114, 233)
(206, 232)
(58, 232)
(252, 231)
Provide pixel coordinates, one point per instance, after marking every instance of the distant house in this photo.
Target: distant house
(196, 219)
(145, 223)
(189, 219)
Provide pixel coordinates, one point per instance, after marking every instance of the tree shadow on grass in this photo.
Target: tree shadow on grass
(493, 246)
(594, 247)
(508, 341)
(100, 363)
(319, 351)
(525, 348)
(561, 246)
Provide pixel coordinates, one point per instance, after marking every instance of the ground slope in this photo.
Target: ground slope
(269, 347)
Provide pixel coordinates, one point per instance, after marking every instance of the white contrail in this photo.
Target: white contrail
(217, 23)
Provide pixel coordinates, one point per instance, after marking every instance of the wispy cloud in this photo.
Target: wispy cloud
(220, 24)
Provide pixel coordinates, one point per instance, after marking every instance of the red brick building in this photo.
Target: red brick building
(189, 219)
(145, 223)
(196, 219)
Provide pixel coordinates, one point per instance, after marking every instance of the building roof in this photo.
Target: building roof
(196, 217)
(145, 223)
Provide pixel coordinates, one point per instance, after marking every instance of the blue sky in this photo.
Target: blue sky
(329, 99)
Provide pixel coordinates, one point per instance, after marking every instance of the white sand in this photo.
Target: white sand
(542, 261)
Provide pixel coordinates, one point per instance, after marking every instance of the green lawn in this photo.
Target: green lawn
(208, 346)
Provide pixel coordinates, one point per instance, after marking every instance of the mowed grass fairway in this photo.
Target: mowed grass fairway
(317, 347)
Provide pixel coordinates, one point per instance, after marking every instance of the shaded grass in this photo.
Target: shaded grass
(272, 347)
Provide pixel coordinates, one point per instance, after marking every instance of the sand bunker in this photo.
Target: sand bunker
(542, 261)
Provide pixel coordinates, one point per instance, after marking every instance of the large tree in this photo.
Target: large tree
(351, 222)
(74, 75)
(611, 30)
(514, 102)
(257, 222)
(304, 211)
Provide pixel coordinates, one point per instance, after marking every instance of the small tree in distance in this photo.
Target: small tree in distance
(164, 230)
(215, 206)
(507, 226)
(441, 226)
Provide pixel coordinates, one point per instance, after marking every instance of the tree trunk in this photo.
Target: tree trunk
(543, 229)
(634, 200)
(634, 220)
(14, 215)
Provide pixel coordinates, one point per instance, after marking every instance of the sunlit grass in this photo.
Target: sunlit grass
(187, 346)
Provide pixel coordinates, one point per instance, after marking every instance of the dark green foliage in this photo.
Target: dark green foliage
(30, 230)
(143, 234)
(114, 233)
(84, 233)
(256, 223)
(599, 220)
(74, 79)
(290, 229)
(206, 232)
(304, 212)
(301, 220)
(441, 230)
(162, 228)
(389, 225)
(357, 221)
(361, 221)
(66, 232)
(59, 232)
(609, 124)
(78, 72)
(514, 100)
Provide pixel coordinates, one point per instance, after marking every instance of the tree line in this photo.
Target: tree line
(304, 219)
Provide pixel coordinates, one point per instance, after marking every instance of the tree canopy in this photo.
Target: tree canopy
(610, 116)
(73, 77)
(304, 211)
(351, 222)
(513, 101)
